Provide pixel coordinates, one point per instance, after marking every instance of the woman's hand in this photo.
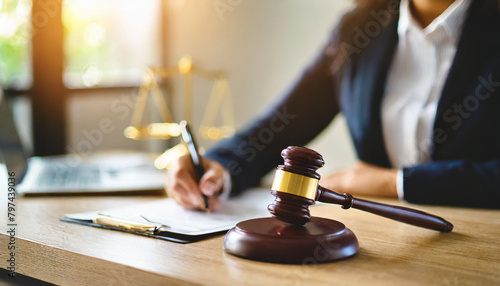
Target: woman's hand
(363, 179)
(182, 187)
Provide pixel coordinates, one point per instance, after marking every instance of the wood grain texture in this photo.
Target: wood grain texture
(391, 253)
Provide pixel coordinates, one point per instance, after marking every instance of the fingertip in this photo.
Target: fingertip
(214, 204)
(196, 200)
(210, 184)
(207, 188)
(190, 202)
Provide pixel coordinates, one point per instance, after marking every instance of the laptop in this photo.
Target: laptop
(72, 174)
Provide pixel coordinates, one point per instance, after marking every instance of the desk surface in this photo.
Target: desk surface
(391, 253)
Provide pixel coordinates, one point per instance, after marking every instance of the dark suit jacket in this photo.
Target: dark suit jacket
(465, 167)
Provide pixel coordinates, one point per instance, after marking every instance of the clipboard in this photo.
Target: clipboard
(159, 234)
(164, 219)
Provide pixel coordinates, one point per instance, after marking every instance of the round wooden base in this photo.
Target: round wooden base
(271, 240)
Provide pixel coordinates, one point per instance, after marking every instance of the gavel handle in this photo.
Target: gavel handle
(402, 214)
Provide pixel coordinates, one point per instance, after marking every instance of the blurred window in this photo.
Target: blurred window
(111, 42)
(15, 43)
(97, 47)
(106, 43)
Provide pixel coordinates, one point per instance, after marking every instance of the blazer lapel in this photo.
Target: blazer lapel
(362, 97)
(479, 42)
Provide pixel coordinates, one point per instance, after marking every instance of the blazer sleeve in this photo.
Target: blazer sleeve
(459, 183)
(295, 119)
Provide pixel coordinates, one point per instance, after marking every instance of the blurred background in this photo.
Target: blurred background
(72, 68)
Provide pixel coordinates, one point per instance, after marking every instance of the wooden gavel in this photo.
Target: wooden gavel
(296, 187)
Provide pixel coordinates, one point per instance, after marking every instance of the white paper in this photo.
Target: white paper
(176, 219)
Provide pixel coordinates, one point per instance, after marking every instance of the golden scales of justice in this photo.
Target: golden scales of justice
(220, 99)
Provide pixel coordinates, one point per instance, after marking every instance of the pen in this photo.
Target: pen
(125, 224)
(195, 156)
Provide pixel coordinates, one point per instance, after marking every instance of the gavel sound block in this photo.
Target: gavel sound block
(292, 235)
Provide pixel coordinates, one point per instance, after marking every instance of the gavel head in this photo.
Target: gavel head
(295, 185)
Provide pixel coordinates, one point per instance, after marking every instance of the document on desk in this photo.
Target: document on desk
(166, 219)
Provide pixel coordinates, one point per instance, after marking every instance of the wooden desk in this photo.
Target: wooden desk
(391, 253)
